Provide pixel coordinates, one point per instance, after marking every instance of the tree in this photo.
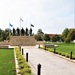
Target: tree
(18, 31)
(9, 31)
(30, 31)
(46, 37)
(40, 32)
(67, 40)
(0, 34)
(14, 32)
(22, 31)
(64, 34)
(5, 35)
(55, 38)
(26, 31)
(38, 38)
(71, 34)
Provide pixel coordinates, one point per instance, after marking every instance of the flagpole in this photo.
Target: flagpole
(30, 28)
(9, 29)
(20, 26)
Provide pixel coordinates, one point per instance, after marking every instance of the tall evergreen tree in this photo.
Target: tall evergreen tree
(18, 31)
(22, 32)
(14, 32)
(27, 32)
(30, 31)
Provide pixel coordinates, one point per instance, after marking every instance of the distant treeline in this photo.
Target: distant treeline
(67, 36)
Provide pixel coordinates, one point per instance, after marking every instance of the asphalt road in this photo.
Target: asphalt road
(50, 63)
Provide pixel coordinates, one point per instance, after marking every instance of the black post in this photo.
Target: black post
(71, 55)
(39, 69)
(20, 48)
(45, 47)
(27, 57)
(54, 50)
(39, 46)
(22, 51)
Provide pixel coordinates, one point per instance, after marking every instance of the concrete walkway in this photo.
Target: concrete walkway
(50, 63)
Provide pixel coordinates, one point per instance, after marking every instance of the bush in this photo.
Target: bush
(23, 66)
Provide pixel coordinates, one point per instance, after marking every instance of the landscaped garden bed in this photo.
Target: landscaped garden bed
(24, 68)
(7, 62)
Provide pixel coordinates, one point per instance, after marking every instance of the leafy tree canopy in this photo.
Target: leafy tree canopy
(46, 37)
(64, 34)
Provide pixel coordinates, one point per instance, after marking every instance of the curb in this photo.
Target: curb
(16, 64)
(68, 59)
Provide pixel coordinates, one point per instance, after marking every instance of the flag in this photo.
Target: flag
(32, 25)
(10, 25)
(21, 19)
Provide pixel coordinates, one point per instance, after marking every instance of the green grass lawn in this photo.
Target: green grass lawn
(7, 62)
(64, 49)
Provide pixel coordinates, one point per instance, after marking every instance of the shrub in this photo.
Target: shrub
(23, 66)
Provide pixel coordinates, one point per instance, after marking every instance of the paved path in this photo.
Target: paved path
(51, 64)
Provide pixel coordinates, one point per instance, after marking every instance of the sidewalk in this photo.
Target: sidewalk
(51, 64)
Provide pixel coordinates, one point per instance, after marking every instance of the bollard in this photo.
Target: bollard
(26, 57)
(20, 48)
(71, 55)
(39, 69)
(22, 51)
(39, 46)
(45, 47)
(54, 50)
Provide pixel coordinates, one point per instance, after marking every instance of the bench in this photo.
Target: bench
(50, 46)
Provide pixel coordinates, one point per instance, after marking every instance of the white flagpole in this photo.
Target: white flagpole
(20, 26)
(30, 28)
(9, 29)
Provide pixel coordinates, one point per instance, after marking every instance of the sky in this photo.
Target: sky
(52, 16)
